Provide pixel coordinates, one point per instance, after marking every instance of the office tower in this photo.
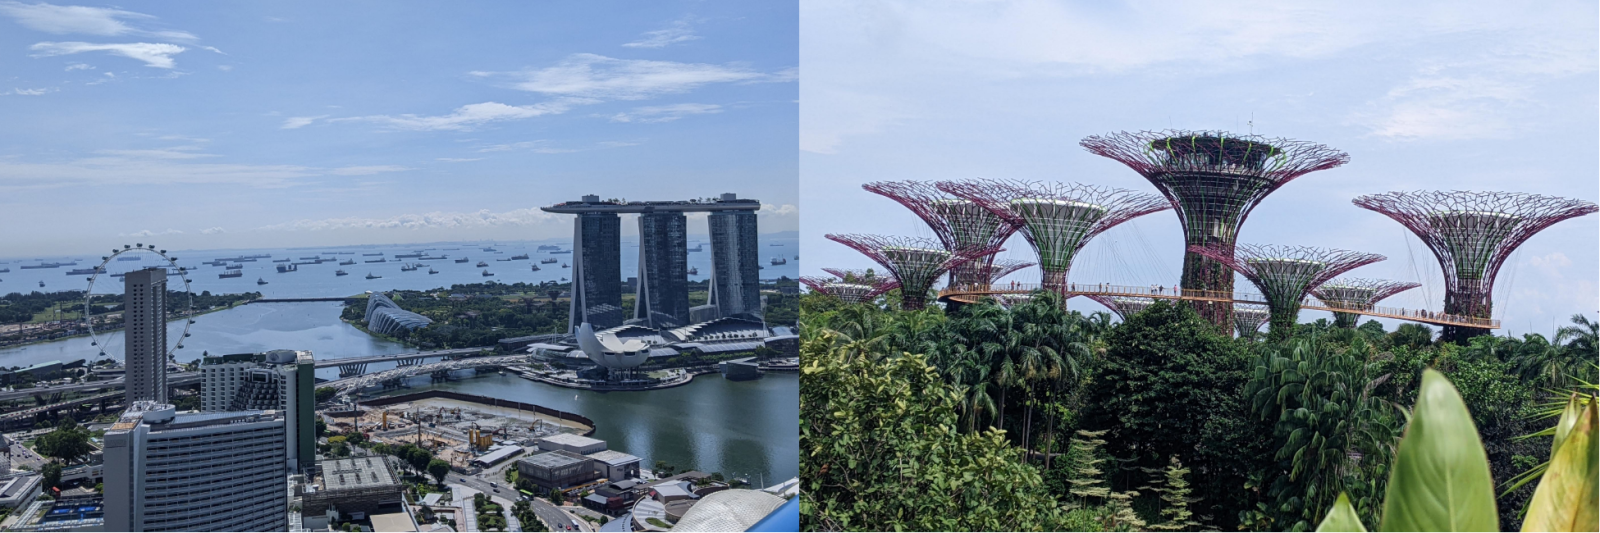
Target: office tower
(735, 257)
(281, 380)
(663, 292)
(196, 471)
(144, 304)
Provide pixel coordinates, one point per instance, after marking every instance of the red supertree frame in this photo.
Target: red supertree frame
(915, 263)
(958, 223)
(1213, 180)
(1285, 274)
(1358, 293)
(850, 286)
(1058, 219)
(1123, 306)
(1472, 234)
(1000, 268)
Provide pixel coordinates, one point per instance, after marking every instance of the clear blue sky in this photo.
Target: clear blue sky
(251, 124)
(1476, 95)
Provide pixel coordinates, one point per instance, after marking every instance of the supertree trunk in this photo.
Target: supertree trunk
(1281, 325)
(1203, 273)
(1466, 303)
(1056, 282)
(1346, 320)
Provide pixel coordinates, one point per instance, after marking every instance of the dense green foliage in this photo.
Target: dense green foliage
(897, 406)
(67, 444)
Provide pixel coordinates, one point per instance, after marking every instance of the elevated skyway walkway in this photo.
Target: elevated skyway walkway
(972, 294)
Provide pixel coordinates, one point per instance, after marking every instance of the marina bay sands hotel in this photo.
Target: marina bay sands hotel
(663, 291)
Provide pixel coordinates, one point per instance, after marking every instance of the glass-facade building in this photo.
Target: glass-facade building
(663, 293)
(597, 271)
(735, 256)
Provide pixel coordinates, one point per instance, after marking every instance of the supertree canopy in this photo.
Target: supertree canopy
(850, 286)
(914, 263)
(1472, 234)
(1123, 306)
(1358, 293)
(1248, 318)
(1213, 179)
(1056, 218)
(958, 223)
(1285, 274)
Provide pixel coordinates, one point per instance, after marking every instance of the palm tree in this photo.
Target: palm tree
(1580, 337)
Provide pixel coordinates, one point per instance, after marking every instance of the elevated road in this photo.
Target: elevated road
(28, 413)
(976, 293)
(369, 359)
(173, 380)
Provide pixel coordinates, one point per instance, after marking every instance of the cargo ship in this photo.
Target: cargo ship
(231, 274)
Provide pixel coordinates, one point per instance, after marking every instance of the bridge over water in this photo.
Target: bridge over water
(972, 294)
(351, 384)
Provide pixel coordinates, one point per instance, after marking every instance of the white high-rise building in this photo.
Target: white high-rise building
(144, 305)
(196, 471)
(282, 380)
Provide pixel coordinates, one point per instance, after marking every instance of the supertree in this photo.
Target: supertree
(1213, 179)
(958, 223)
(850, 286)
(1472, 234)
(1000, 268)
(915, 263)
(1056, 218)
(1248, 318)
(1357, 293)
(1285, 274)
(1123, 306)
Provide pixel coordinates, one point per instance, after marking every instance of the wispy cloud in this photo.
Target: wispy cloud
(213, 230)
(177, 152)
(301, 122)
(544, 147)
(459, 159)
(665, 113)
(148, 233)
(678, 32)
(79, 66)
(106, 22)
(158, 55)
(778, 210)
(437, 219)
(468, 116)
(366, 170)
(30, 92)
(603, 78)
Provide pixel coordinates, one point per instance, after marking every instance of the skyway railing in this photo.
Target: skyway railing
(973, 293)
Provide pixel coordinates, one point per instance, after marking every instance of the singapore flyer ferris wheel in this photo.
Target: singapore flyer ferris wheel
(179, 306)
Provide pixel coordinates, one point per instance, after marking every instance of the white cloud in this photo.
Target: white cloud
(600, 77)
(366, 170)
(158, 55)
(437, 219)
(460, 159)
(79, 66)
(213, 230)
(778, 210)
(665, 113)
(31, 92)
(148, 233)
(300, 122)
(178, 152)
(676, 33)
(63, 20)
(467, 116)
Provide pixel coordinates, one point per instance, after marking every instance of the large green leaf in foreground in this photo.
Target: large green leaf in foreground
(1440, 480)
(1342, 517)
(1566, 499)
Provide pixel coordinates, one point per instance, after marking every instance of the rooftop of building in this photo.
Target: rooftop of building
(728, 510)
(613, 457)
(554, 459)
(392, 522)
(499, 454)
(570, 439)
(593, 204)
(356, 473)
(80, 513)
(164, 417)
(271, 357)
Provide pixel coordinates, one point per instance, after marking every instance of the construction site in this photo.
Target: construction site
(461, 429)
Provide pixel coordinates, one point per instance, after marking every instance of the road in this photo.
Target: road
(553, 517)
(335, 362)
(173, 380)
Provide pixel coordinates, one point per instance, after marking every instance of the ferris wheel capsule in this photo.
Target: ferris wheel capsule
(102, 353)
